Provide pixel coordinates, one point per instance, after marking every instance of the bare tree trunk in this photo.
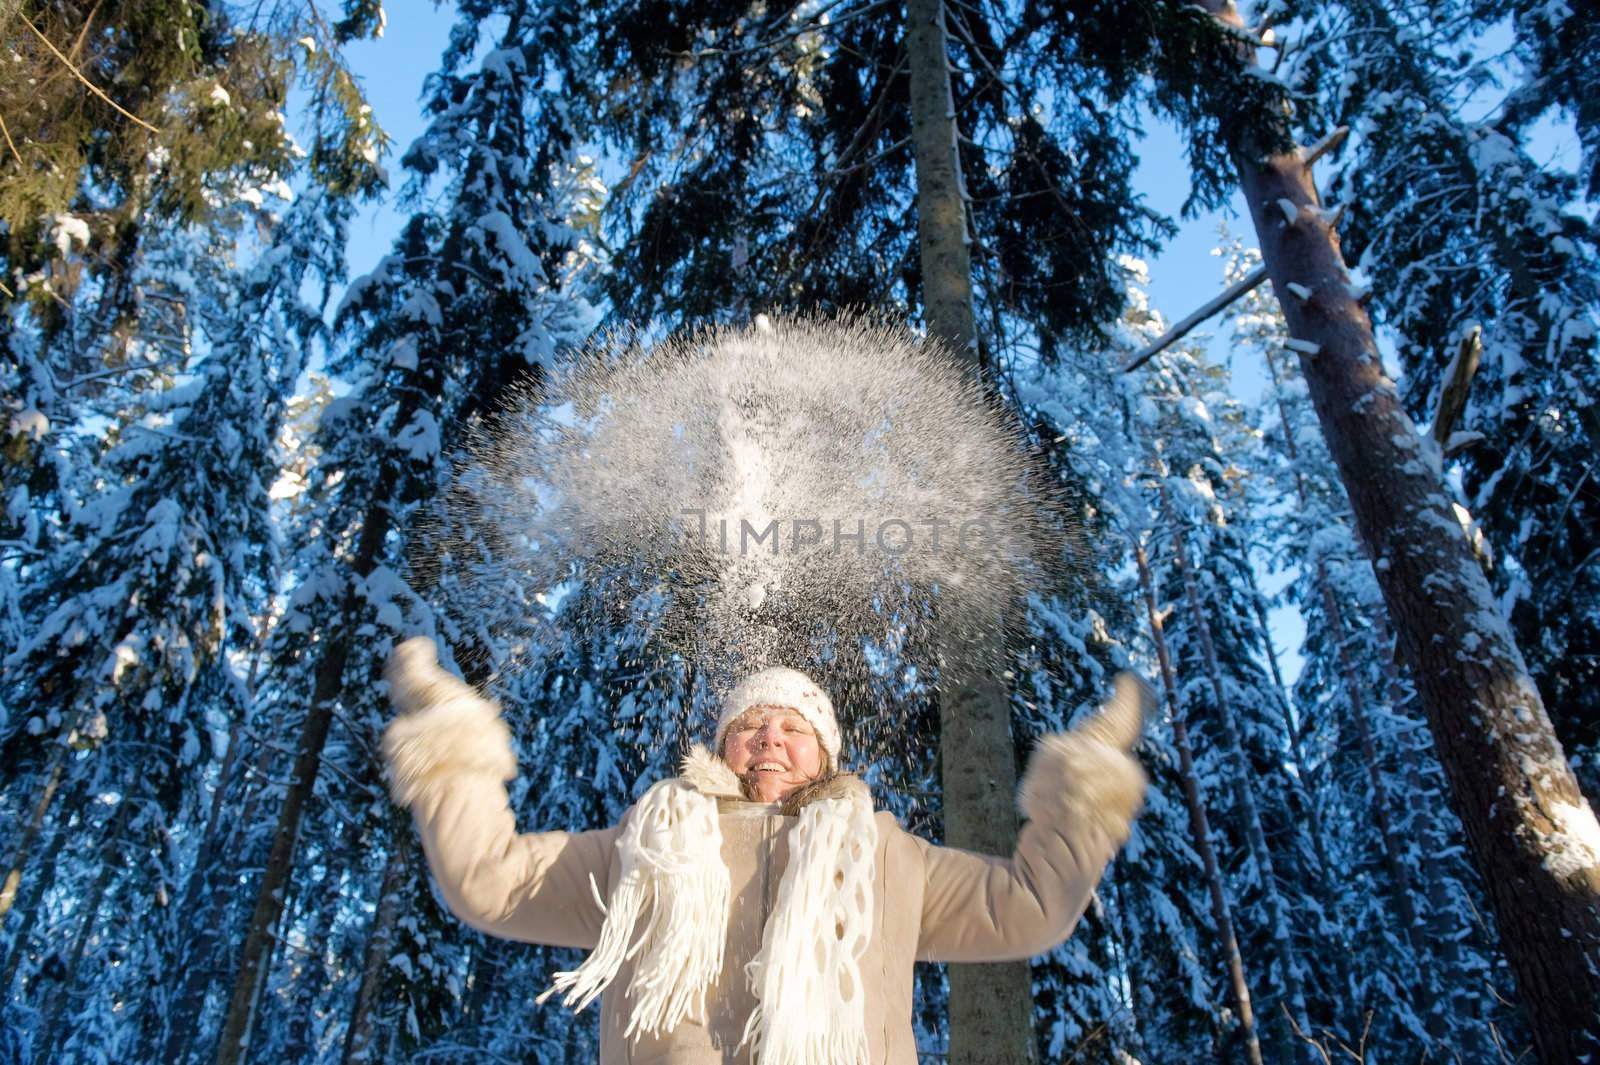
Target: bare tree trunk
(1529, 829)
(30, 902)
(1399, 876)
(1291, 728)
(991, 1014)
(232, 1046)
(941, 194)
(198, 902)
(358, 1036)
(51, 1033)
(1199, 824)
(485, 975)
(41, 807)
(1243, 796)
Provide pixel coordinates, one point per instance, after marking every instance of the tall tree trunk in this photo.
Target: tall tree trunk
(51, 1033)
(199, 903)
(1291, 728)
(1244, 797)
(31, 901)
(218, 911)
(1531, 833)
(1399, 877)
(358, 1035)
(486, 963)
(232, 1046)
(1199, 823)
(53, 773)
(942, 237)
(991, 1014)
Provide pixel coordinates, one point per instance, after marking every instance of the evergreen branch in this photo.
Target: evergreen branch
(91, 86)
(1179, 331)
(112, 372)
(9, 142)
(810, 26)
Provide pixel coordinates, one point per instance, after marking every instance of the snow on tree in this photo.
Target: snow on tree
(471, 296)
(1358, 723)
(1478, 235)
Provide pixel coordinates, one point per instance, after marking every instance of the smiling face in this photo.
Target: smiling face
(774, 750)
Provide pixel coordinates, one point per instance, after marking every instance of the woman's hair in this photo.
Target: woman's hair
(824, 775)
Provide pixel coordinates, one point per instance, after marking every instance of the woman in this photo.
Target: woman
(755, 909)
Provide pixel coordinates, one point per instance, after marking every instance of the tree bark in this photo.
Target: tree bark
(1531, 833)
(198, 902)
(31, 902)
(991, 1006)
(1394, 865)
(358, 1036)
(30, 834)
(1199, 823)
(51, 1034)
(233, 1044)
(1243, 796)
(942, 236)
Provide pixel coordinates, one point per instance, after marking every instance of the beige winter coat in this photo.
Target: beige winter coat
(449, 763)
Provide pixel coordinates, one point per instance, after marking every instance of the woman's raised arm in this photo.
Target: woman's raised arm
(449, 756)
(1079, 797)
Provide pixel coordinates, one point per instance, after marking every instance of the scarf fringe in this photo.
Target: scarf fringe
(813, 1048)
(671, 852)
(808, 969)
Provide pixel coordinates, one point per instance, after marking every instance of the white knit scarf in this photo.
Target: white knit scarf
(808, 967)
(809, 962)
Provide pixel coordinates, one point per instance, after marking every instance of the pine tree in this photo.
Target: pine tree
(1478, 235)
(1358, 711)
(1438, 598)
(158, 336)
(1176, 934)
(142, 621)
(471, 296)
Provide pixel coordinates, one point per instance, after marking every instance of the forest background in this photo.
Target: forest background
(232, 398)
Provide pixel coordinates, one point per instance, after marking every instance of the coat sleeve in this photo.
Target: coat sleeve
(1079, 797)
(449, 763)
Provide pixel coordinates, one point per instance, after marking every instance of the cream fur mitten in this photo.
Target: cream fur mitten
(1090, 769)
(444, 726)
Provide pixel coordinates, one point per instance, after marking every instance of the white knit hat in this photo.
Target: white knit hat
(787, 688)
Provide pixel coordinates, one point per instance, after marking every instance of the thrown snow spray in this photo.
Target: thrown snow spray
(807, 493)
